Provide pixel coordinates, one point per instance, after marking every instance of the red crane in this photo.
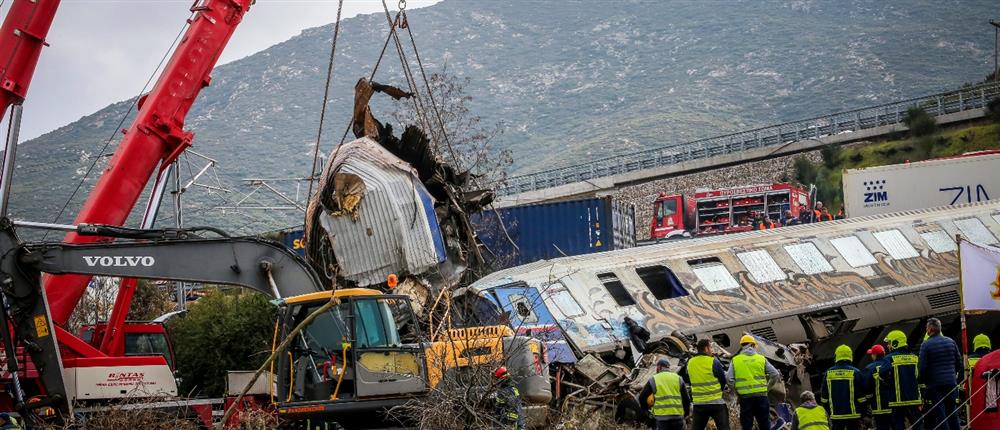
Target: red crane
(155, 139)
(22, 37)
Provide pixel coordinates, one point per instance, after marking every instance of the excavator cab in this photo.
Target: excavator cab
(360, 356)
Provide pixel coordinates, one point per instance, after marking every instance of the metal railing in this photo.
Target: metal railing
(973, 97)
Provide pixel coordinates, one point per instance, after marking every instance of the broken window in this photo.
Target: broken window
(853, 251)
(523, 309)
(661, 282)
(713, 274)
(808, 258)
(762, 267)
(974, 230)
(939, 241)
(616, 289)
(565, 301)
(896, 244)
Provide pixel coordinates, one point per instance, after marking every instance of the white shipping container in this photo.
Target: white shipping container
(924, 184)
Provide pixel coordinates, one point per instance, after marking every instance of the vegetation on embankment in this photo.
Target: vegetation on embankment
(923, 142)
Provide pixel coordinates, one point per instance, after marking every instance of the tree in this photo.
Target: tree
(920, 122)
(471, 144)
(149, 302)
(222, 331)
(993, 110)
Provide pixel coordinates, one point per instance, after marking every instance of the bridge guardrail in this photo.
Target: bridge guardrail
(973, 97)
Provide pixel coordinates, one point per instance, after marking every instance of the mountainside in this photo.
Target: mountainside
(570, 81)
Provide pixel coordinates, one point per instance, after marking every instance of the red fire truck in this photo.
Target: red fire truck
(726, 210)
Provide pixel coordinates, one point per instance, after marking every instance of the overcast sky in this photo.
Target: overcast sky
(103, 51)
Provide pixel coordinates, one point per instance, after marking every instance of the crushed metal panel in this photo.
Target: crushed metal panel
(808, 258)
(391, 231)
(762, 267)
(975, 231)
(939, 241)
(896, 244)
(853, 251)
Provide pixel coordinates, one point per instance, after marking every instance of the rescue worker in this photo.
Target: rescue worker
(842, 388)
(8, 422)
(939, 369)
(901, 375)
(791, 219)
(805, 215)
(705, 375)
(748, 374)
(877, 392)
(840, 213)
(980, 347)
(509, 407)
(809, 416)
(671, 402)
(817, 217)
(825, 215)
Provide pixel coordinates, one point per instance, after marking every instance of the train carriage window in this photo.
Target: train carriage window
(853, 251)
(713, 274)
(616, 289)
(974, 230)
(523, 308)
(939, 241)
(762, 267)
(808, 258)
(565, 301)
(896, 244)
(661, 281)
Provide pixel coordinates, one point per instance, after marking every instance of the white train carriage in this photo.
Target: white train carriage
(826, 283)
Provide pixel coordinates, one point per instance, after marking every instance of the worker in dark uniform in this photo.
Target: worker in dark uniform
(509, 407)
(8, 422)
(842, 389)
(901, 375)
(749, 374)
(707, 378)
(810, 416)
(877, 392)
(940, 367)
(981, 346)
(671, 402)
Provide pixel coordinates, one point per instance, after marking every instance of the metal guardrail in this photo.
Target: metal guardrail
(814, 128)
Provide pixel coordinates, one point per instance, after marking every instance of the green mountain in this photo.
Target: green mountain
(570, 81)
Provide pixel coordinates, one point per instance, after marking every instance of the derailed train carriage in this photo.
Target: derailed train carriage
(822, 285)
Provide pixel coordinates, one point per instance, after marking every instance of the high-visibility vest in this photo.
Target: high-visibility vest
(813, 418)
(748, 372)
(705, 387)
(840, 379)
(973, 361)
(904, 372)
(877, 408)
(667, 398)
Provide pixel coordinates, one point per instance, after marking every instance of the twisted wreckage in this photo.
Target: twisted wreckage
(388, 206)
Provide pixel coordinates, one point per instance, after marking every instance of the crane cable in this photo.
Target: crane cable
(418, 105)
(430, 93)
(114, 132)
(326, 99)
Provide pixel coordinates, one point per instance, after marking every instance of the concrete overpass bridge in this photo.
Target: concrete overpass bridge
(604, 176)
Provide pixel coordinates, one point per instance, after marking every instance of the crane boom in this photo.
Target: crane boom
(155, 138)
(22, 37)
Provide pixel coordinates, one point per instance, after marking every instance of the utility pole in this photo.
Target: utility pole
(996, 47)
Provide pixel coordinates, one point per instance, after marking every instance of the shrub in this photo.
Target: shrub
(993, 110)
(920, 122)
(225, 330)
(831, 155)
(805, 170)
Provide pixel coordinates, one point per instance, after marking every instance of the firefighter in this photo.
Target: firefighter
(507, 400)
(810, 416)
(817, 217)
(840, 213)
(901, 375)
(705, 374)
(8, 422)
(980, 347)
(671, 401)
(748, 374)
(877, 392)
(842, 388)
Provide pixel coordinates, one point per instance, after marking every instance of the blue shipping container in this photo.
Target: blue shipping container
(519, 235)
(292, 238)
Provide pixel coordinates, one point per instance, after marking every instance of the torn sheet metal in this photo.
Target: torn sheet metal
(379, 218)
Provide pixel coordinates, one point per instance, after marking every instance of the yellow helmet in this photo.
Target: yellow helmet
(981, 341)
(747, 339)
(843, 353)
(895, 339)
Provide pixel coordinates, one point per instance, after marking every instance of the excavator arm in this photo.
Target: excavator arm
(252, 263)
